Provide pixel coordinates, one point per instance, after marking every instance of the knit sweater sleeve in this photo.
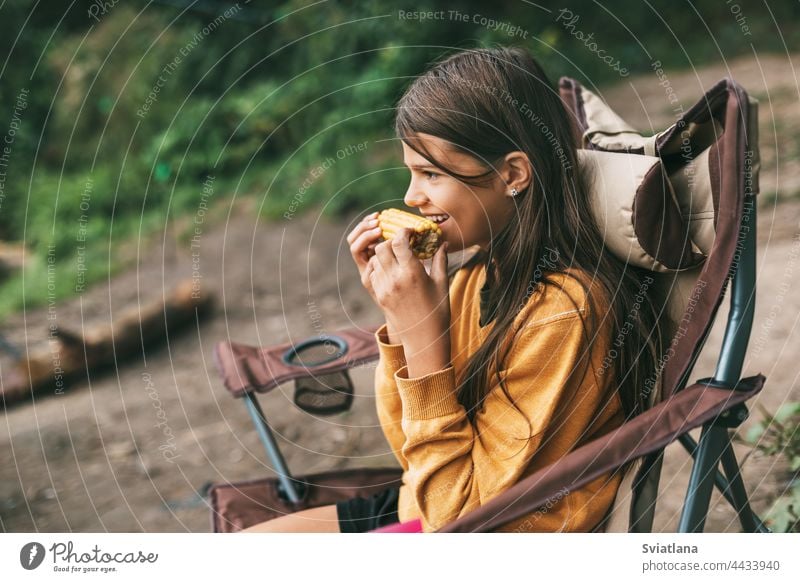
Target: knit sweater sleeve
(387, 399)
(391, 359)
(455, 465)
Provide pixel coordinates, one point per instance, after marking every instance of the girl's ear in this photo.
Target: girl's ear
(517, 171)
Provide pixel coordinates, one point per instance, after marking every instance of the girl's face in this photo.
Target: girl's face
(475, 214)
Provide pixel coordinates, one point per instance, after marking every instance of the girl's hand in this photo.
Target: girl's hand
(362, 240)
(416, 304)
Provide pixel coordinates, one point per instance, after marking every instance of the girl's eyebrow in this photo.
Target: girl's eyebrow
(420, 166)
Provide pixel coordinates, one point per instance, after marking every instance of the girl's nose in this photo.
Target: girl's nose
(414, 196)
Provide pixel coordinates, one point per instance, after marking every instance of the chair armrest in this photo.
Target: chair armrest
(245, 369)
(650, 431)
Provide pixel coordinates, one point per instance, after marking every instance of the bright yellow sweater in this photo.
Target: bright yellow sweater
(452, 465)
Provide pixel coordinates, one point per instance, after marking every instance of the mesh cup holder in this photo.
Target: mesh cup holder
(320, 394)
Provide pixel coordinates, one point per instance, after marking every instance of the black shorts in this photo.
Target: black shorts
(363, 514)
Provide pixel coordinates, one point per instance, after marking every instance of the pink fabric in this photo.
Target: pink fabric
(413, 526)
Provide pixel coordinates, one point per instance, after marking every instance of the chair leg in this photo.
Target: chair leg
(749, 520)
(719, 479)
(713, 440)
(273, 452)
(646, 494)
(732, 490)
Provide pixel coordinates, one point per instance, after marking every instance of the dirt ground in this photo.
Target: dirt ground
(92, 459)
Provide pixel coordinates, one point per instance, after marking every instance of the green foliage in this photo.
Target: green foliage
(784, 516)
(779, 434)
(149, 99)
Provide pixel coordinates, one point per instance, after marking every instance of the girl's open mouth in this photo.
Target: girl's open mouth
(438, 218)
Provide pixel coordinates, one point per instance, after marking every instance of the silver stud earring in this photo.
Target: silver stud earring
(514, 192)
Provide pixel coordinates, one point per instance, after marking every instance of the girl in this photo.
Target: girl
(496, 372)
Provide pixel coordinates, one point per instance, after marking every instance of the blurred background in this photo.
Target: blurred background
(206, 160)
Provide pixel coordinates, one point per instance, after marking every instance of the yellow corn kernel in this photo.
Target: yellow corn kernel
(427, 235)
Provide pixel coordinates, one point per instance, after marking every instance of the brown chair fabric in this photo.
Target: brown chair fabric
(236, 506)
(246, 369)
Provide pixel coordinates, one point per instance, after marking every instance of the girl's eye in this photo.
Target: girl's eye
(431, 175)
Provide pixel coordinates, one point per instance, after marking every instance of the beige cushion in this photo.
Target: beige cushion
(605, 129)
(636, 210)
(696, 201)
(691, 181)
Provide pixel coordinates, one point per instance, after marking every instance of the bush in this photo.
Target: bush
(779, 435)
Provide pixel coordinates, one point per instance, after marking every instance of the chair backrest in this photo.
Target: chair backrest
(676, 203)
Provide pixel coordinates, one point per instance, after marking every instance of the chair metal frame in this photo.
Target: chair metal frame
(715, 446)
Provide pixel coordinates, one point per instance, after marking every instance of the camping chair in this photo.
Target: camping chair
(680, 203)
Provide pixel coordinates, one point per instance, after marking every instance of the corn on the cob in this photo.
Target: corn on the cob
(425, 239)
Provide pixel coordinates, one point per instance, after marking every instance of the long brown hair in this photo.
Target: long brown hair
(487, 103)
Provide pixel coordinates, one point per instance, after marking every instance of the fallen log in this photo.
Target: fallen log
(72, 356)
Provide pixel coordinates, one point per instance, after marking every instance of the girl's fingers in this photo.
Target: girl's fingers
(401, 245)
(360, 227)
(384, 250)
(366, 223)
(368, 239)
(438, 270)
(384, 258)
(376, 265)
(365, 273)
